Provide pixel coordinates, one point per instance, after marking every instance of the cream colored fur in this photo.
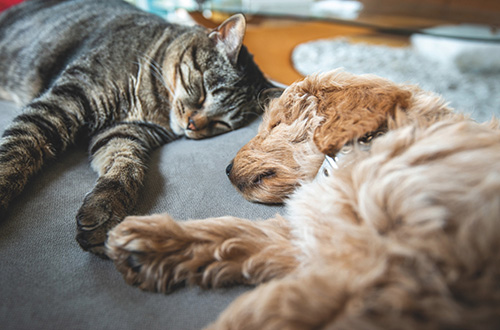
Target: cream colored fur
(403, 236)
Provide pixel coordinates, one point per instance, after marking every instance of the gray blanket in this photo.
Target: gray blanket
(48, 282)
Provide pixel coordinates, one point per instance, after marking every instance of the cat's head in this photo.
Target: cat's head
(215, 82)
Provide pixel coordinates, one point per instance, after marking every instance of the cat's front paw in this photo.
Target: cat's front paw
(94, 220)
(157, 254)
(8, 189)
(3, 206)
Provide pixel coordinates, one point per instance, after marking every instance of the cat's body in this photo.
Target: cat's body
(126, 80)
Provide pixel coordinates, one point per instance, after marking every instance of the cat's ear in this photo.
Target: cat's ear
(229, 36)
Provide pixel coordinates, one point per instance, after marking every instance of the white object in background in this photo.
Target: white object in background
(346, 9)
(278, 6)
(466, 55)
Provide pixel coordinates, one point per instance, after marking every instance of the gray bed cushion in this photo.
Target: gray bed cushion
(48, 282)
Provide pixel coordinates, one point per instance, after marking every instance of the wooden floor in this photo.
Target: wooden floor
(272, 40)
(272, 43)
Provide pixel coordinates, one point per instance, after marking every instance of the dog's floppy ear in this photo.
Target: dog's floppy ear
(352, 112)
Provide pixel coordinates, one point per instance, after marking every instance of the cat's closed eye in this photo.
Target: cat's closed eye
(220, 125)
(192, 83)
(201, 100)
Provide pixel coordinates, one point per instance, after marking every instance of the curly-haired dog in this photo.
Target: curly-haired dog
(403, 235)
(318, 116)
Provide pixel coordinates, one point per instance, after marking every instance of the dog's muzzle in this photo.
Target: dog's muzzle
(229, 168)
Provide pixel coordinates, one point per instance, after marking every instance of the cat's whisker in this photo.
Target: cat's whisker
(162, 97)
(249, 114)
(267, 92)
(157, 72)
(157, 68)
(239, 80)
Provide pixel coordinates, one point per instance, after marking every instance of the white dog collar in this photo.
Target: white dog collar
(329, 165)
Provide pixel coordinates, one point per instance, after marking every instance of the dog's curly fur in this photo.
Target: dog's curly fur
(405, 235)
(318, 116)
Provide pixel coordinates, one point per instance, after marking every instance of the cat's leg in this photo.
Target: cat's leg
(157, 253)
(119, 155)
(45, 129)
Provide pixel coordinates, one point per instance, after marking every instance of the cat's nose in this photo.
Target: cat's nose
(229, 168)
(191, 125)
(197, 122)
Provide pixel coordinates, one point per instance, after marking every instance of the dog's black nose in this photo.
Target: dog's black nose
(229, 168)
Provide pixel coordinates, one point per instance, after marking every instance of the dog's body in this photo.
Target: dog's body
(404, 235)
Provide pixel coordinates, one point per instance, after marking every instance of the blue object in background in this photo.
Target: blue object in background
(158, 7)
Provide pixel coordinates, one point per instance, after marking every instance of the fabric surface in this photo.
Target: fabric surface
(48, 282)
(472, 92)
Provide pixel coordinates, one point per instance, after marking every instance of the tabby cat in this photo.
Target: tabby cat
(125, 80)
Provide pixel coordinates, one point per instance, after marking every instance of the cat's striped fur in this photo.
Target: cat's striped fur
(125, 80)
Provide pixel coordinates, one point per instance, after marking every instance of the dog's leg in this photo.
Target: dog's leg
(351, 294)
(158, 254)
(301, 301)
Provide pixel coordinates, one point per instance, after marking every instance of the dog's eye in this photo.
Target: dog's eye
(366, 139)
(268, 174)
(275, 124)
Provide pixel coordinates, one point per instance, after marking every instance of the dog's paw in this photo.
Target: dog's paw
(149, 252)
(156, 253)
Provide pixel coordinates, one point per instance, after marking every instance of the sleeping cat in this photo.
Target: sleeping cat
(126, 80)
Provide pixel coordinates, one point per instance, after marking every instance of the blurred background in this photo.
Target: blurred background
(450, 47)
(277, 27)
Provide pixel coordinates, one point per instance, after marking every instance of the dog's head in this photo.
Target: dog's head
(316, 116)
